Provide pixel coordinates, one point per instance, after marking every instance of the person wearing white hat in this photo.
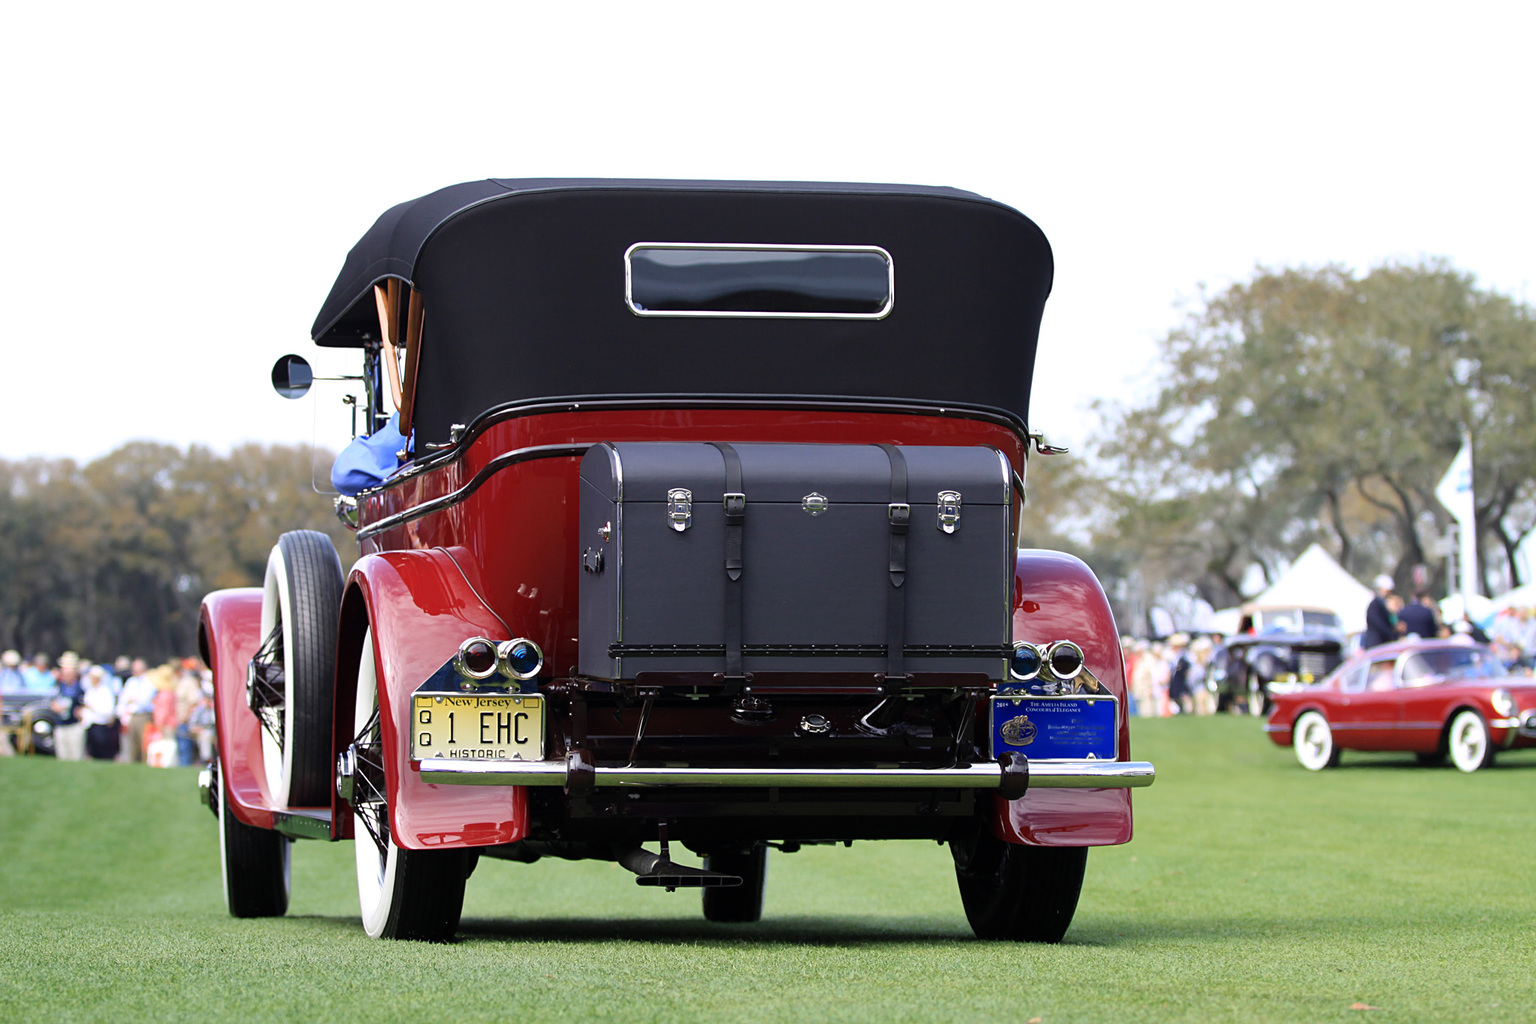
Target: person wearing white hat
(1379, 625)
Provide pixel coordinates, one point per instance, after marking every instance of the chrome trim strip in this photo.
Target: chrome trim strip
(1042, 775)
(880, 314)
(577, 403)
(618, 551)
(500, 462)
(1276, 728)
(1503, 723)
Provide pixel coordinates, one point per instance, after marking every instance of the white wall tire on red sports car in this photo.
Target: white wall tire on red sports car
(1312, 738)
(1468, 741)
(300, 610)
(402, 894)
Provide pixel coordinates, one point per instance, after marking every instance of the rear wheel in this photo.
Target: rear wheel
(1312, 738)
(35, 734)
(403, 894)
(1025, 893)
(295, 668)
(1470, 745)
(742, 903)
(255, 865)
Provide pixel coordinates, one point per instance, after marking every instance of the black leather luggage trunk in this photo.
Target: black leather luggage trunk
(804, 558)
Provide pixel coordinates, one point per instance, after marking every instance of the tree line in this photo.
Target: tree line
(1301, 405)
(114, 556)
(1311, 404)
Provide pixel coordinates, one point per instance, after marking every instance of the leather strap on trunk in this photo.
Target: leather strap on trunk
(735, 515)
(900, 514)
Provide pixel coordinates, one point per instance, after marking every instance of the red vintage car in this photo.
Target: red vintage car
(692, 522)
(1433, 698)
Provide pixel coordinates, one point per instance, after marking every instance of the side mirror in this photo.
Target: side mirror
(292, 376)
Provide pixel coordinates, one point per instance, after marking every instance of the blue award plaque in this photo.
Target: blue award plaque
(1076, 727)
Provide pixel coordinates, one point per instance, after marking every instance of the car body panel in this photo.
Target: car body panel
(229, 631)
(420, 606)
(1057, 596)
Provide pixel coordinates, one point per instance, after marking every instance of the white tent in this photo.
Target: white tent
(1520, 597)
(1315, 580)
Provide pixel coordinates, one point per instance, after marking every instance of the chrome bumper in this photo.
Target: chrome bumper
(1042, 775)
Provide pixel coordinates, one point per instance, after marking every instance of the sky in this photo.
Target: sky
(182, 181)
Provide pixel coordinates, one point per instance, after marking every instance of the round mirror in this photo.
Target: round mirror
(291, 376)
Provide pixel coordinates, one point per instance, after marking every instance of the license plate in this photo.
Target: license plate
(477, 728)
(1046, 728)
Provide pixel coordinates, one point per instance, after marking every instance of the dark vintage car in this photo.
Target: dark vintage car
(1286, 651)
(26, 717)
(701, 534)
(1433, 698)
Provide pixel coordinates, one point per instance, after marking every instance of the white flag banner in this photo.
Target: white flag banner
(1455, 493)
(1455, 488)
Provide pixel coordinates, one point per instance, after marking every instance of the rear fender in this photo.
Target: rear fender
(228, 633)
(421, 607)
(1057, 597)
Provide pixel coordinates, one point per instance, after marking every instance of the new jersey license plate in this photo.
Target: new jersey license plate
(1054, 727)
(477, 728)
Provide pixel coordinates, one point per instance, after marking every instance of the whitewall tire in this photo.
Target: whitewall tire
(1312, 738)
(300, 610)
(1468, 742)
(401, 894)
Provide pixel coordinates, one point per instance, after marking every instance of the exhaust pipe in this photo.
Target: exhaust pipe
(655, 869)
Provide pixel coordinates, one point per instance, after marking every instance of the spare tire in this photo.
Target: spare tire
(294, 671)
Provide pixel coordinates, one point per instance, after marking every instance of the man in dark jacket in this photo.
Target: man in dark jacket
(1418, 618)
(1379, 625)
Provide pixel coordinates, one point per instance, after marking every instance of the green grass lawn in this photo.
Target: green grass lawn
(1254, 890)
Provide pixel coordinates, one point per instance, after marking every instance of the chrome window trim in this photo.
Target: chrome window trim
(880, 314)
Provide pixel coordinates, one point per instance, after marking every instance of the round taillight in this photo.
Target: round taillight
(476, 658)
(1065, 659)
(1024, 661)
(520, 658)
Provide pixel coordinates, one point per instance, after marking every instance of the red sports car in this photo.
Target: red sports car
(1431, 697)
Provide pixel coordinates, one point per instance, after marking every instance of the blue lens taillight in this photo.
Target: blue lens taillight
(520, 658)
(1024, 661)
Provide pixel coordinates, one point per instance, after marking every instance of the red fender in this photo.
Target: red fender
(228, 633)
(421, 606)
(1057, 597)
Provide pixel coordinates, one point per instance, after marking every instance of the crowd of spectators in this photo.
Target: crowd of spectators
(1513, 637)
(126, 711)
(1176, 676)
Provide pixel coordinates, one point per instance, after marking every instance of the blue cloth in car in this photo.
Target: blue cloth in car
(369, 461)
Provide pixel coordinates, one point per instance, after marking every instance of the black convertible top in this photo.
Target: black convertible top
(523, 283)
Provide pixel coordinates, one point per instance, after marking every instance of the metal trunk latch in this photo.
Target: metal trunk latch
(680, 508)
(949, 510)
